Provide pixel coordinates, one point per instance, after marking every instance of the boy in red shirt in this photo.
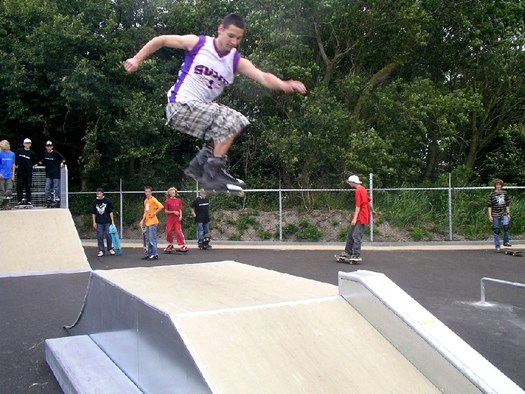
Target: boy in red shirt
(173, 208)
(360, 219)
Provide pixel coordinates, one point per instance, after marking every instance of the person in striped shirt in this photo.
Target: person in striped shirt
(498, 205)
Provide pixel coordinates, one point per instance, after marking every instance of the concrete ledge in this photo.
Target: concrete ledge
(80, 366)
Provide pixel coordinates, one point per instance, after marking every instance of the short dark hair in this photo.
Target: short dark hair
(99, 189)
(232, 19)
(148, 187)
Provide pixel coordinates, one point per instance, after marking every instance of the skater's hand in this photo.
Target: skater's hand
(294, 86)
(375, 214)
(131, 65)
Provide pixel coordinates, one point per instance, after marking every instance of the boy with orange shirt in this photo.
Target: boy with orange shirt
(149, 220)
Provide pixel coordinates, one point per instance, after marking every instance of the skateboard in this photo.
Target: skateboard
(170, 250)
(53, 204)
(144, 241)
(6, 202)
(24, 206)
(206, 241)
(515, 253)
(115, 241)
(344, 259)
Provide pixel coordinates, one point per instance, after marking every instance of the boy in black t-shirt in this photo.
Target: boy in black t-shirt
(199, 210)
(53, 161)
(102, 213)
(25, 160)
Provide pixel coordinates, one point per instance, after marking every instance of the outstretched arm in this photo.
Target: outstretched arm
(186, 42)
(269, 80)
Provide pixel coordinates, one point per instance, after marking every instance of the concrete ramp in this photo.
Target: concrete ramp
(227, 327)
(40, 241)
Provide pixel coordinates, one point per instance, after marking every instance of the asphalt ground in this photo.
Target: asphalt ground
(445, 281)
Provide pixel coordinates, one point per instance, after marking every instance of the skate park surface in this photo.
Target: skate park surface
(443, 279)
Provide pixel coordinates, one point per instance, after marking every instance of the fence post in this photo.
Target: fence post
(449, 206)
(121, 216)
(280, 212)
(64, 174)
(372, 204)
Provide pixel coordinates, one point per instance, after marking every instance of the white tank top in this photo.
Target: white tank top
(205, 73)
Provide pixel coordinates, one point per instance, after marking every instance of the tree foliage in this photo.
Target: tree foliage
(406, 90)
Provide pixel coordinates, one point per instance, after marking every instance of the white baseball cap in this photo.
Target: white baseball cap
(353, 179)
(27, 140)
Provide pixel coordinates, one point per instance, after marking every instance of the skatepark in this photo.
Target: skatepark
(258, 318)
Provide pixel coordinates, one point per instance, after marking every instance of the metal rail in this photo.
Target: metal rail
(505, 282)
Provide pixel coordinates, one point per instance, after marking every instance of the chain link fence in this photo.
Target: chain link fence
(424, 213)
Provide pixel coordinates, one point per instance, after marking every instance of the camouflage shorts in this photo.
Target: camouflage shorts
(207, 121)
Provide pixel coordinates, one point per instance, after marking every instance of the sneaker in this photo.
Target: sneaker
(29, 204)
(168, 248)
(345, 255)
(112, 252)
(195, 169)
(507, 244)
(145, 258)
(21, 203)
(155, 257)
(218, 180)
(100, 253)
(182, 249)
(200, 246)
(356, 258)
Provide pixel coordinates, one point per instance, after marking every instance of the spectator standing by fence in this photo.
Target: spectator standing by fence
(173, 208)
(150, 221)
(200, 211)
(102, 214)
(498, 205)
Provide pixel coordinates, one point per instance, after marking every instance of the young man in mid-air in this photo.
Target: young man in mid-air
(210, 64)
